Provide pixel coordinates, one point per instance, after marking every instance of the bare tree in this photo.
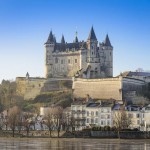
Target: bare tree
(58, 118)
(121, 120)
(1, 121)
(27, 121)
(13, 117)
(49, 119)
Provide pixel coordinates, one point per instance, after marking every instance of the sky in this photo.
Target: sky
(25, 26)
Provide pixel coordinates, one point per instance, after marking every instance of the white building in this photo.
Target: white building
(92, 114)
(78, 110)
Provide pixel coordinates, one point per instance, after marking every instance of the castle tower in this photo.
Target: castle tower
(27, 76)
(76, 38)
(49, 48)
(92, 55)
(62, 39)
(108, 57)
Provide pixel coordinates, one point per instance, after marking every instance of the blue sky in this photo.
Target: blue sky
(25, 26)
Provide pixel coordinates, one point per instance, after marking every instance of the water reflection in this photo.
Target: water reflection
(73, 144)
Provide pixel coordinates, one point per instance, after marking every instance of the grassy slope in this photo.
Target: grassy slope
(46, 99)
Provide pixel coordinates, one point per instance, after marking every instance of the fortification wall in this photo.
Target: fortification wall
(106, 88)
(30, 88)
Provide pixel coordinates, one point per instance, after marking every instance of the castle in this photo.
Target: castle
(83, 67)
(84, 59)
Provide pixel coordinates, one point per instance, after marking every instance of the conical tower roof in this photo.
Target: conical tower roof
(50, 38)
(92, 35)
(76, 38)
(63, 39)
(107, 41)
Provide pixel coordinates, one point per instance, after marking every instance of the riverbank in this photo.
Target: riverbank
(79, 134)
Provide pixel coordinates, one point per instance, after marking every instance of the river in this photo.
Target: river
(72, 144)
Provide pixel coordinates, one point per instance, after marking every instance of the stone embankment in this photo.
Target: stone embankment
(80, 134)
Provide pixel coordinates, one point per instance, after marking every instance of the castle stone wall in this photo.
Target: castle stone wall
(30, 88)
(106, 88)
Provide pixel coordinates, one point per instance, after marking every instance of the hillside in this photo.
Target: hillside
(46, 99)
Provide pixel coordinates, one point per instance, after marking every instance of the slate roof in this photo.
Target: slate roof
(93, 104)
(76, 40)
(92, 35)
(51, 38)
(145, 74)
(107, 41)
(130, 74)
(63, 39)
(69, 46)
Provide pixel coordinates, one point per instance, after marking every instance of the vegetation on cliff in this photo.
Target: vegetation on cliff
(9, 98)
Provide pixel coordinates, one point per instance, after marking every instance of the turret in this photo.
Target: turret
(108, 56)
(93, 63)
(92, 45)
(76, 38)
(27, 76)
(49, 49)
(62, 39)
(107, 41)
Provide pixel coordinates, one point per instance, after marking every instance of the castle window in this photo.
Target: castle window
(92, 53)
(68, 61)
(75, 60)
(87, 113)
(87, 120)
(56, 60)
(61, 61)
(110, 53)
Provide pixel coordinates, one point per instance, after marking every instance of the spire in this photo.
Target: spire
(27, 75)
(76, 38)
(92, 35)
(107, 41)
(54, 38)
(50, 38)
(63, 39)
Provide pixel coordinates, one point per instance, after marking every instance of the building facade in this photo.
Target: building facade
(86, 59)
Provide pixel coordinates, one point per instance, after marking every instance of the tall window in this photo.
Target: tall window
(56, 60)
(87, 113)
(61, 61)
(87, 120)
(96, 120)
(137, 115)
(68, 61)
(96, 113)
(92, 120)
(75, 60)
(92, 113)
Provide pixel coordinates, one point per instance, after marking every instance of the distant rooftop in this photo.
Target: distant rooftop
(130, 74)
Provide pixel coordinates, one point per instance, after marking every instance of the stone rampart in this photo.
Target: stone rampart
(30, 88)
(106, 88)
